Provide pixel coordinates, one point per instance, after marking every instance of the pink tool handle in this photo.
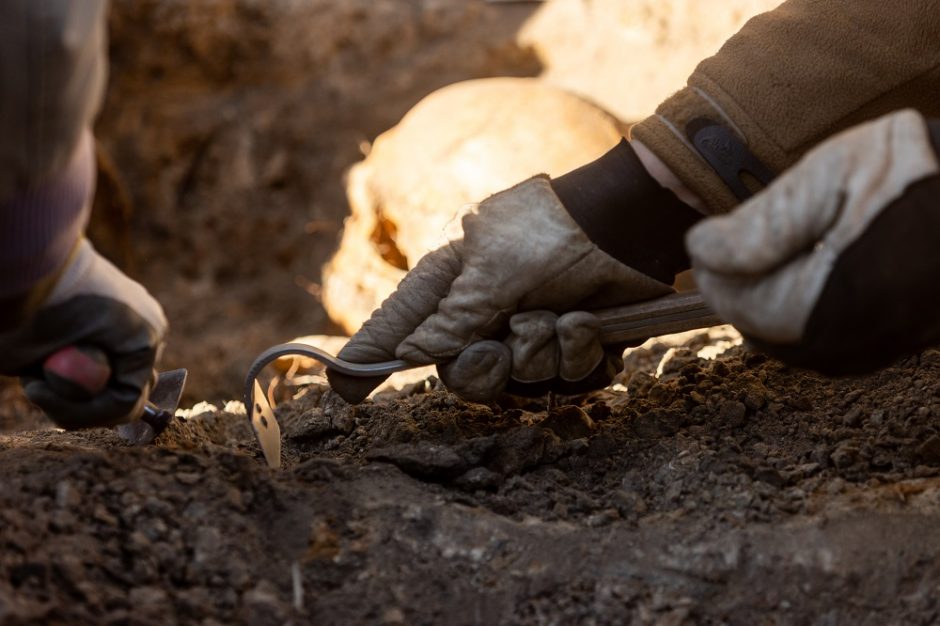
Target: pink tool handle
(77, 372)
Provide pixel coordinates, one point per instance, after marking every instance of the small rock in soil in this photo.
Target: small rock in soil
(524, 448)
(732, 412)
(568, 422)
(480, 478)
(930, 450)
(424, 459)
(263, 606)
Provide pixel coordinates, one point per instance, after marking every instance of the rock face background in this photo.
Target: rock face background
(628, 55)
(230, 125)
(459, 145)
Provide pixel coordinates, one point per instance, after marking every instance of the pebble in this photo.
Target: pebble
(844, 455)
(480, 478)
(148, 600)
(568, 422)
(732, 412)
(800, 403)
(599, 411)
(754, 399)
(628, 502)
(154, 528)
(139, 542)
(62, 521)
(853, 418)
(207, 545)
(640, 383)
(770, 476)
(423, 458)
(102, 515)
(235, 500)
(602, 518)
(262, 605)
(66, 495)
(195, 601)
(188, 478)
(851, 397)
(930, 450)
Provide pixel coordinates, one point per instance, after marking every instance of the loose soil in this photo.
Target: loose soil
(724, 491)
(727, 491)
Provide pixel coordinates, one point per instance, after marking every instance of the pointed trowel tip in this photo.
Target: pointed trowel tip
(163, 402)
(167, 392)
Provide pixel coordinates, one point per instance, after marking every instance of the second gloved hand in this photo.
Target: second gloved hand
(94, 305)
(835, 265)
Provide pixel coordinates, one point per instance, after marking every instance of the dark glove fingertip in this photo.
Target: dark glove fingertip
(479, 373)
(135, 369)
(353, 389)
(106, 409)
(531, 390)
(598, 379)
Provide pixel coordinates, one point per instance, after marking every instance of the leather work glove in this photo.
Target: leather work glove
(559, 353)
(505, 300)
(92, 304)
(835, 265)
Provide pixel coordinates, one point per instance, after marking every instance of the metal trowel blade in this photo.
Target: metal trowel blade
(167, 392)
(266, 427)
(164, 400)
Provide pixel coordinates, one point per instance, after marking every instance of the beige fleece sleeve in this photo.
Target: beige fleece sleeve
(795, 75)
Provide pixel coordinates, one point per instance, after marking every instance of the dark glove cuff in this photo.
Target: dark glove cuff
(877, 303)
(933, 126)
(628, 214)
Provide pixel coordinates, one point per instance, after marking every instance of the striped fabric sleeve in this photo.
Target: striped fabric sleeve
(40, 225)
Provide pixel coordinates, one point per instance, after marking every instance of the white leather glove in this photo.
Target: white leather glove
(92, 304)
(520, 252)
(835, 265)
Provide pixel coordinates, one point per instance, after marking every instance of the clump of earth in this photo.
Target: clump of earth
(722, 490)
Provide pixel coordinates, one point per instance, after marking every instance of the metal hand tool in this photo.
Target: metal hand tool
(624, 324)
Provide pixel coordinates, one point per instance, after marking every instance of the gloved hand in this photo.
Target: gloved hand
(92, 304)
(560, 353)
(835, 265)
(522, 254)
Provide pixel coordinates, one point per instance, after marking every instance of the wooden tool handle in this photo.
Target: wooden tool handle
(674, 313)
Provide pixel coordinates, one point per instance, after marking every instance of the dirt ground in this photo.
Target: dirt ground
(726, 491)
(730, 490)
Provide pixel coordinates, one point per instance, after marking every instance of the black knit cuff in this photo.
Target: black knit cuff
(627, 214)
(933, 126)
